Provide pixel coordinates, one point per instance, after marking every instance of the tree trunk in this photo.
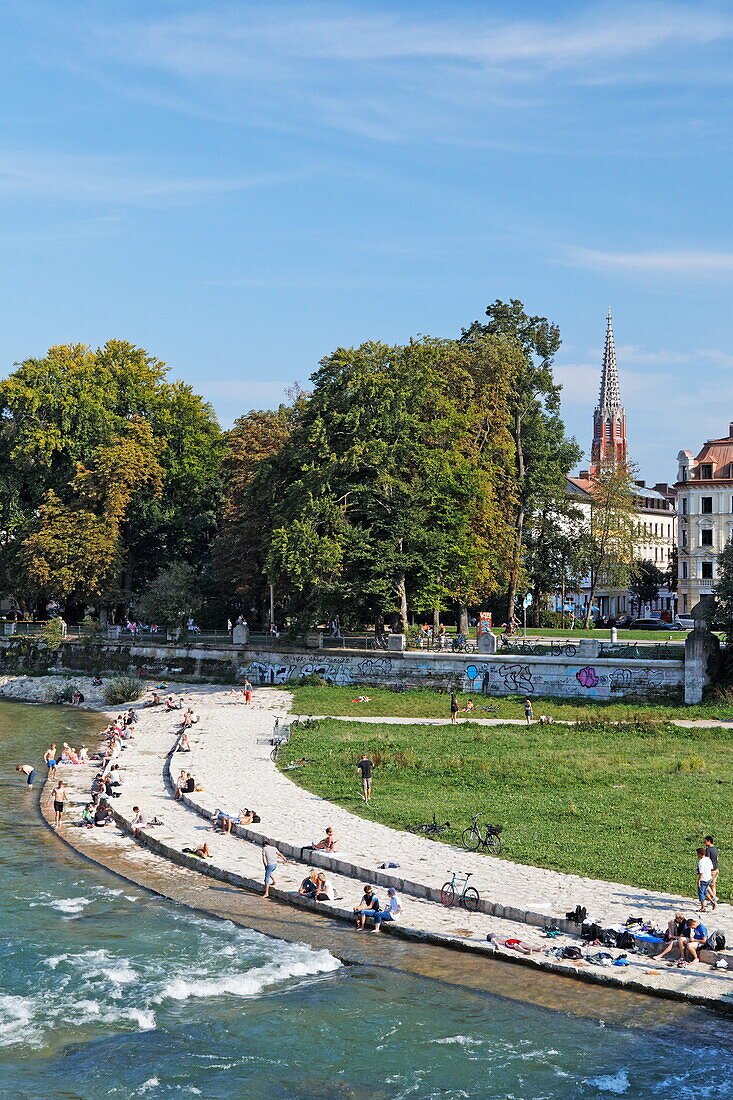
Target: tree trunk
(436, 620)
(463, 619)
(519, 527)
(562, 601)
(401, 592)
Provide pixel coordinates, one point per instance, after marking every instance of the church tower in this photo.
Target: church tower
(609, 416)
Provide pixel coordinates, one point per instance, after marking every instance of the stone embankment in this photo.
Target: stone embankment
(230, 761)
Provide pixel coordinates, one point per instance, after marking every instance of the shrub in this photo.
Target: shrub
(311, 680)
(124, 689)
(60, 694)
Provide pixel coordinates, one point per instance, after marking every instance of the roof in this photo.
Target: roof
(583, 487)
(718, 452)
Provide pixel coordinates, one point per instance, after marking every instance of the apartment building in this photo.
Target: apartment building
(705, 509)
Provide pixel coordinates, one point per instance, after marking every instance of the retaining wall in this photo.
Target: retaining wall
(581, 675)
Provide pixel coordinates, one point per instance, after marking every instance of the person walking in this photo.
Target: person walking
(247, 689)
(453, 708)
(28, 771)
(528, 712)
(49, 757)
(704, 878)
(366, 767)
(59, 797)
(712, 853)
(270, 857)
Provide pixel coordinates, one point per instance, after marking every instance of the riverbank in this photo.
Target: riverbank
(235, 770)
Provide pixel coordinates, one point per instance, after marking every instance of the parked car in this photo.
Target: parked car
(684, 622)
(650, 624)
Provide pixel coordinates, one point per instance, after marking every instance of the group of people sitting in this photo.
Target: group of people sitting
(69, 755)
(688, 934)
(371, 907)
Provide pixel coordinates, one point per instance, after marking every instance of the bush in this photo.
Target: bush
(61, 694)
(311, 680)
(125, 689)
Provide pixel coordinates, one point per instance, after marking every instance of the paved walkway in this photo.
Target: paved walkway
(234, 769)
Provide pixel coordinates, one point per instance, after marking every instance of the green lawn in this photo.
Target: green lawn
(426, 703)
(603, 634)
(620, 803)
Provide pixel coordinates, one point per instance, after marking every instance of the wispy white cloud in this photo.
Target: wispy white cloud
(689, 263)
(237, 42)
(90, 178)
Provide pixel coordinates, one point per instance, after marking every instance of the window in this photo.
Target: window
(684, 506)
(706, 537)
(683, 474)
(707, 570)
(706, 471)
(706, 506)
(684, 538)
(684, 570)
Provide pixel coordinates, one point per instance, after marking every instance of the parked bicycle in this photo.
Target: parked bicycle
(480, 834)
(429, 828)
(560, 649)
(379, 641)
(468, 897)
(461, 644)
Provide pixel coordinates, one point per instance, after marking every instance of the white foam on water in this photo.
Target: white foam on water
(458, 1040)
(305, 963)
(151, 1083)
(16, 1016)
(617, 1083)
(68, 906)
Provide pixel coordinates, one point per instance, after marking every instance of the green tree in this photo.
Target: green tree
(645, 580)
(557, 554)
(543, 455)
(723, 593)
(377, 493)
(58, 416)
(171, 597)
(614, 529)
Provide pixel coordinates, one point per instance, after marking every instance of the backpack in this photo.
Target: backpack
(609, 938)
(578, 914)
(626, 941)
(591, 932)
(715, 941)
(571, 953)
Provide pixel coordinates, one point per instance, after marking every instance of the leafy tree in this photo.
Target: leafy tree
(378, 495)
(557, 557)
(65, 424)
(724, 595)
(645, 580)
(614, 528)
(543, 456)
(172, 596)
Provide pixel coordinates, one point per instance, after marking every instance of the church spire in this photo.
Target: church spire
(609, 416)
(610, 395)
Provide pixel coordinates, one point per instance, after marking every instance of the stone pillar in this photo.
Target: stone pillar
(588, 649)
(702, 655)
(487, 642)
(396, 643)
(314, 640)
(240, 634)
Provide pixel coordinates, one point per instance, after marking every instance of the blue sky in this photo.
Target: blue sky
(241, 187)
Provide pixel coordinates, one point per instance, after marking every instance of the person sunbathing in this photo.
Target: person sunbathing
(184, 745)
(202, 851)
(329, 843)
(223, 821)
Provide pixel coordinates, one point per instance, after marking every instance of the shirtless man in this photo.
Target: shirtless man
(49, 757)
(59, 797)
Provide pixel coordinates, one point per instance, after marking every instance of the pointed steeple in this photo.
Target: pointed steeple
(609, 416)
(610, 395)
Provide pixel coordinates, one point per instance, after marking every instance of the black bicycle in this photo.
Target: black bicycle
(429, 828)
(480, 834)
(460, 644)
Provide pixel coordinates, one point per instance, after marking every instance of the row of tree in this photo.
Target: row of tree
(408, 480)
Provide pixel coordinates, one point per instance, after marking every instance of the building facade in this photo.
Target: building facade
(657, 517)
(705, 505)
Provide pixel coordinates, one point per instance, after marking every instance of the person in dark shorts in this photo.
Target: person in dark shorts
(711, 852)
(528, 712)
(366, 767)
(59, 797)
(453, 707)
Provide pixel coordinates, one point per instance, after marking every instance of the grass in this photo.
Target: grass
(603, 634)
(622, 803)
(427, 703)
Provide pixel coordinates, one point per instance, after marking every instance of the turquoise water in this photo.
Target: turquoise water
(106, 991)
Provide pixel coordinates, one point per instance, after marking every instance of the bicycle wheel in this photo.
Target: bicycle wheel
(469, 647)
(470, 899)
(447, 894)
(471, 839)
(273, 754)
(493, 844)
(570, 650)
(416, 829)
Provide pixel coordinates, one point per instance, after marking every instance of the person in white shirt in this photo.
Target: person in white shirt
(391, 912)
(270, 857)
(704, 878)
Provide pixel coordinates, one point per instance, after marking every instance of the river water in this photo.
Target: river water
(107, 991)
